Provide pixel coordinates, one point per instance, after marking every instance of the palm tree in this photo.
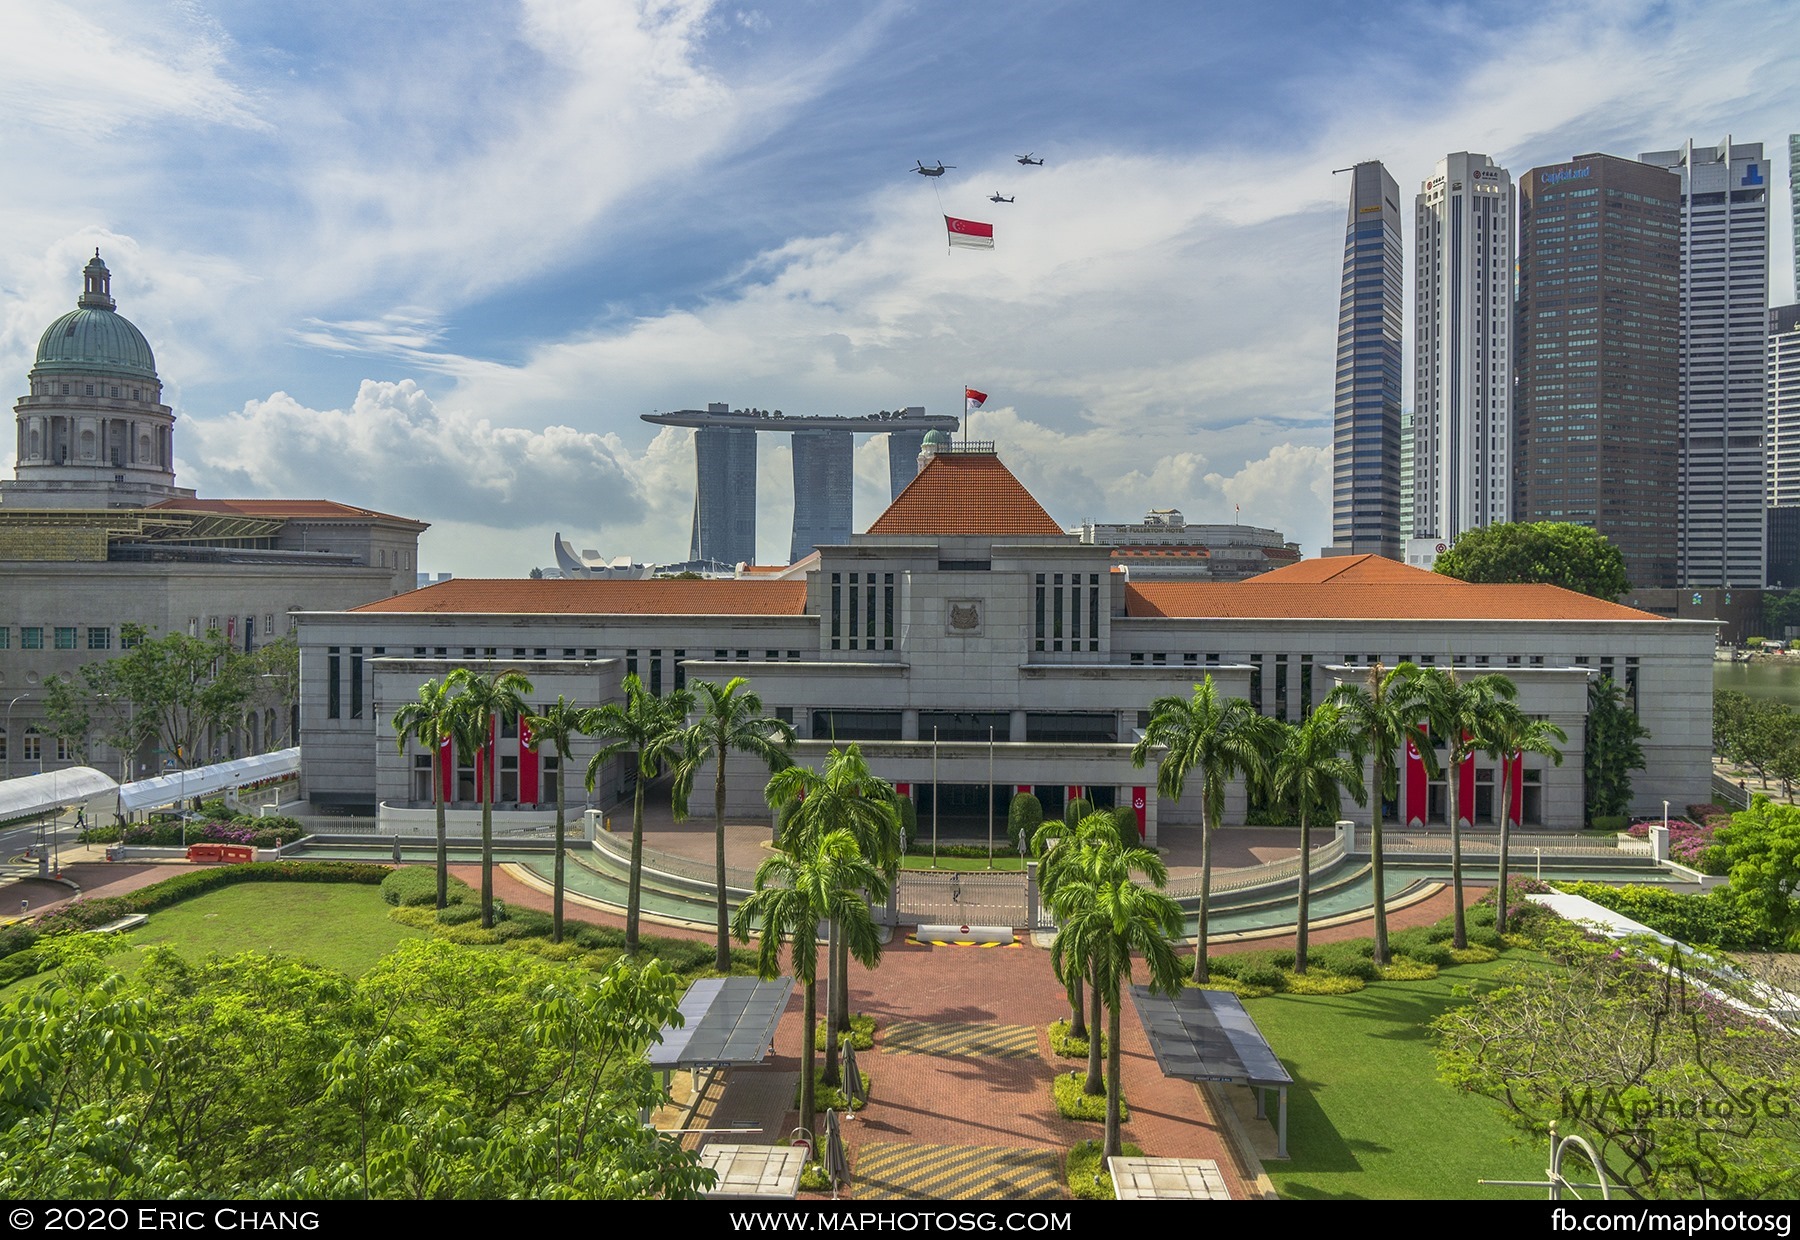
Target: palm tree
(1507, 737)
(846, 796)
(1385, 716)
(431, 721)
(1107, 919)
(1222, 738)
(557, 727)
(1092, 852)
(483, 702)
(1310, 770)
(1457, 710)
(654, 729)
(795, 890)
(730, 719)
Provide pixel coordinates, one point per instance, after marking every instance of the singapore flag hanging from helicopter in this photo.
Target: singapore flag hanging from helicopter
(971, 234)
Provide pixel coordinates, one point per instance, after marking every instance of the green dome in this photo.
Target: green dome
(936, 439)
(95, 339)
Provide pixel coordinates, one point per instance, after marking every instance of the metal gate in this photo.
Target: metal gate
(964, 898)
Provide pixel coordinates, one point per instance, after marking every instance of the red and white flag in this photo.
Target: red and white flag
(970, 233)
(973, 398)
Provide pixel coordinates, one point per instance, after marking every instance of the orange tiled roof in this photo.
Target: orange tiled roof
(1364, 587)
(528, 596)
(280, 508)
(971, 493)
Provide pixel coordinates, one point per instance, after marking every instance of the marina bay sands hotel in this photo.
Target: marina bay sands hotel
(824, 472)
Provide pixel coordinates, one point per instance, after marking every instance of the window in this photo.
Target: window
(1256, 694)
(793, 656)
(719, 656)
(631, 663)
(887, 612)
(680, 671)
(421, 789)
(1056, 613)
(99, 639)
(1137, 659)
(1281, 687)
(356, 682)
(656, 672)
(1306, 685)
(1190, 659)
(1038, 596)
(549, 779)
(332, 666)
(743, 656)
(65, 637)
(33, 748)
(1093, 611)
(5, 636)
(785, 714)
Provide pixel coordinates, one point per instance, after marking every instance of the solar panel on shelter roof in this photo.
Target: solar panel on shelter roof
(1206, 1035)
(726, 1020)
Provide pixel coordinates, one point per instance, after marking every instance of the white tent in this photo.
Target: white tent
(177, 786)
(30, 795)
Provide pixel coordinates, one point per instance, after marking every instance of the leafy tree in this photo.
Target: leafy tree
(1077, 809)
(1024, 814)
(730, 720)
(1311, 767)
(557, 727)
(431, 721)
(1762, 849)
(1508, 735)
(1556, 553)
(821, 879)
(1106, 920)
(174, 691)
(1781, 610)
(1458, 710)
(481, 702)
(1384, 715)
(845, 796)
(1221, 739)
(1613, 752)
(653, 729)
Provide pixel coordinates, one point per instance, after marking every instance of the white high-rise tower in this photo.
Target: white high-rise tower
(1464, 244)
(1724, 363)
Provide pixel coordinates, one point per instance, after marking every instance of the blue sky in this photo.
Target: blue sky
(435, 259)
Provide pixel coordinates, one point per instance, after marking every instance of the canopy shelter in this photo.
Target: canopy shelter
(1206, 1035)
(176, 786)
(725, 1021)
(31, 796)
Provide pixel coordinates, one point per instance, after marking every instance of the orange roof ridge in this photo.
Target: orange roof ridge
(551, 596)
(1392, 598)
(965, 493)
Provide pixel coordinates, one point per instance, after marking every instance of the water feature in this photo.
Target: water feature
(1773, 677)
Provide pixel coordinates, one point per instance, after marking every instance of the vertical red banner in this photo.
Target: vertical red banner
(1021, 789)
(1073, 791)
(1516, 794)
(482, 755)
(447, 768)
(1418, 788)
(1465, 790)
(529, 763)
(1140, 800)
(904, 790)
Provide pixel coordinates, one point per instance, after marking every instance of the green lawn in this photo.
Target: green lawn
(1002, 861)
(1367, 1116)
(341, 925)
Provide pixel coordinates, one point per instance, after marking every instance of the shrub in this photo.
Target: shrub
(1077, 809)
(1262, 976)
(1346, 964)
(974, 852)
(1242, 990)
(458, 914)
(1023, 817)
(1086, 1173)
(909, 821)
(1225, 965)
(413, 915)
(1610, 822)
(22, 964)
(87, 914)
(1483, 936)
(1419, 944)
(1125, 819)
(1401, 969)
(1282, 958)
(861, 1035)
(16, 938)
(1065, 1044)
(832, 1097)
(417, 885)
(1475, 953)
(1071, 1103)
(1708, 919)
(1320, 984)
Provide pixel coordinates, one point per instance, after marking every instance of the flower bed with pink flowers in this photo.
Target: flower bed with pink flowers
(1690, 843)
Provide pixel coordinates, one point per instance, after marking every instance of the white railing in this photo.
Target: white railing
(617, 845)
(1267, 874)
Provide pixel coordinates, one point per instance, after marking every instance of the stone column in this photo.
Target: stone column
(1015, 727)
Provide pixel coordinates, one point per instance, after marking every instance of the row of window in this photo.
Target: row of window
(853, 611)
(31, 746)
(1052, 620)
(60, 637)
(46, 389)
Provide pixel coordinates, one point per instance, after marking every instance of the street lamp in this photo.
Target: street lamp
(9, 736)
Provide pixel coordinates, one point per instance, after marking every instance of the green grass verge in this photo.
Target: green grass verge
(1065, 1044)
(1367, 1116)
(346, 928)
(831, 1097)
(1002, 861)
(1086, 1173)
(862, 1033)
(1071, 1103)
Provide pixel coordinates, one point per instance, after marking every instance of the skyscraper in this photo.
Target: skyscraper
(1365, 510)
(1597, 416)
(1462, 363)
(724, 493)
(1794, 200)
(1724, 340)
(824, 490)
(1784, 447)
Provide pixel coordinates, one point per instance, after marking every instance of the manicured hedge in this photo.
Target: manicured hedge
(1708, 919)
(87, 914)
(416, 885)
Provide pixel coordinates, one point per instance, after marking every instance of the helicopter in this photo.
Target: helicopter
(1027, 159)
(996, 197)
(935, 170)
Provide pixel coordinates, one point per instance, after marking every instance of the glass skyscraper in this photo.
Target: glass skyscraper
(1365, 510)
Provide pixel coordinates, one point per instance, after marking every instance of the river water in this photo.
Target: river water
(1774, 677)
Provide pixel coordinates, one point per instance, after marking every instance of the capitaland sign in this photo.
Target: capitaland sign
(1560, 175)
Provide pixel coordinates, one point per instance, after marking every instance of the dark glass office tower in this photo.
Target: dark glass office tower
(1365, 509)
(1597, 412)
